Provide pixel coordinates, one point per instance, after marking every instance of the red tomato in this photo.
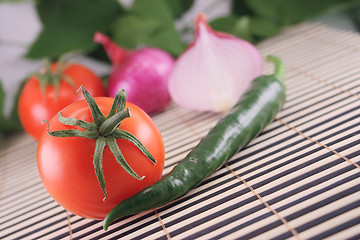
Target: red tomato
(34, 107)
(66, 165)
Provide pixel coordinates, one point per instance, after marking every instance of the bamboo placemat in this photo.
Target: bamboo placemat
(300, 179)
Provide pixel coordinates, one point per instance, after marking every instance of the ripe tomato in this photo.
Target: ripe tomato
(34, 106)
(66, 165)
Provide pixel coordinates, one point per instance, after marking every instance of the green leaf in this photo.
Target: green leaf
(70, 25)
(242, 28)
(262, 28)
(354, 15)
(149, 23)
(161, 9)
(153, 9)
(11, 123)
(234, 25)
(130, 31)
(256, 20)
(179, 7)
(168, 39)
(224, 24)
(287, 12)
(241, 8)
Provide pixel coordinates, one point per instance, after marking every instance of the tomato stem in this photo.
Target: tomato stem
(121, 134)
(119, 102)
(47, 76)
(105, 130)
(112, 123)
(76, 122)
(97, 161)
(96, 113)
(111, 142)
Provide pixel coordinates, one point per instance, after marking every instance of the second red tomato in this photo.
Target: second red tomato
(36, 105)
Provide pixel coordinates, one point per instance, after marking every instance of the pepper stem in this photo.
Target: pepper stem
(279, 71)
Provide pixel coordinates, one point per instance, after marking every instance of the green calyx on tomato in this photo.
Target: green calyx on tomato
(50, 75)
(105, 130)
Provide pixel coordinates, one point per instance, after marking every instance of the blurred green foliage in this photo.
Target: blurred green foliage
(8, 123)
(256, 20)
(69, 25)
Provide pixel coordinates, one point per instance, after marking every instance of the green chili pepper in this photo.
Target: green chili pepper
(250, 115)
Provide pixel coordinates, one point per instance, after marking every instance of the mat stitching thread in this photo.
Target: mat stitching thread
(317, 142)
(69, 224)
(283, 220)
(162, 225)
(318, 79)
(335, 44)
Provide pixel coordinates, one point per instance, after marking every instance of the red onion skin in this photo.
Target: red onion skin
(144, 76)
(143, 73)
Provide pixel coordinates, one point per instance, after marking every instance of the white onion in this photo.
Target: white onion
(214, 71)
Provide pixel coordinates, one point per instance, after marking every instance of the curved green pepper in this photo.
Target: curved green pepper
(250, 115)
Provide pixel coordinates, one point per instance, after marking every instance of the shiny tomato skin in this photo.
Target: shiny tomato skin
(66, 164)
(34, 107)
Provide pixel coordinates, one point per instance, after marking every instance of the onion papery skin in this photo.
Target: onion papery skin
(143, 73)
(144, 76)
(215, 70)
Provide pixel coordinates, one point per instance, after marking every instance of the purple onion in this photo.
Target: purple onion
(142, 73)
